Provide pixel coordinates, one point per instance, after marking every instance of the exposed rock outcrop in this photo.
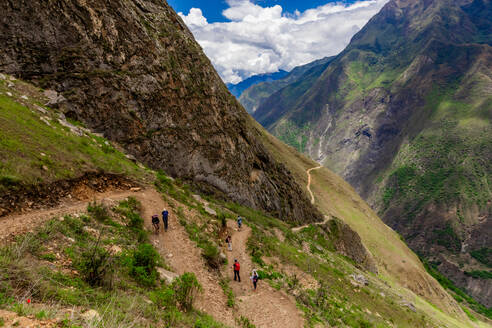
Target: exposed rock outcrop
(133, 71)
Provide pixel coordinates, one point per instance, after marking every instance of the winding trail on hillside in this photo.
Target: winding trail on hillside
(327, 218)
(308, 172)
(265, 307)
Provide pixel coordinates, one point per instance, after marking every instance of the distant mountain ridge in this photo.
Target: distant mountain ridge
(256, 93)
(238, 88)
(404, 114)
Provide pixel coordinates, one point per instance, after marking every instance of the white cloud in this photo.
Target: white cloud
(260, 39)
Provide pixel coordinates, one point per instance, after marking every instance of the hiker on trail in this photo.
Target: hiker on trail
(155, 223)
(236, 268)
(239, 222)
(165, 219)
(229, 243)
(254, 278)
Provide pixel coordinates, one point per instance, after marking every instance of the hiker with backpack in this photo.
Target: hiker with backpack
(239, 223)
(229, 243)
(155, 223)
(254, 278)
(165, 219)
(236, 268)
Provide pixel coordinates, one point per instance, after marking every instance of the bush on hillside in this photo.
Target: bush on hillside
(186, 287)
(212, 255)
(98, 211)
(96, 266)
(143, 264)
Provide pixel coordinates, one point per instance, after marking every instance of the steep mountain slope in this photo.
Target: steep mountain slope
(404, 115)
(44, 245)
(257, 93)
(238, 88)
(133, 71)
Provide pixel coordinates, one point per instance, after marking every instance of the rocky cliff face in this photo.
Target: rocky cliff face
(404, 115)
(133, 71)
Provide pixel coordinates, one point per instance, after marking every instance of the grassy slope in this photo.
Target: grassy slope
(90, 153)
(32, 152)
(396, 262)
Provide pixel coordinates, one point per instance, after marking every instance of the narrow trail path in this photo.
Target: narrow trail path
(16, 224)
(309, 182)
(265, 307)
(175, 246)
(327, 218)
(184, 256)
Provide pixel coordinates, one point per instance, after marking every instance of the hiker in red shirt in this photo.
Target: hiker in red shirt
(236, 268)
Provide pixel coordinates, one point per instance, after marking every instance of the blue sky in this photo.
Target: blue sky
(212, 9)
(248, 37)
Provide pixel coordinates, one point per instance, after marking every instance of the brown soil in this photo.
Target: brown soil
(12, 319)
(21, 198)
(265, 307)
(309, 182)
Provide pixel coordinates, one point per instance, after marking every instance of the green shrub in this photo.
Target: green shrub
(48, 257)
(223, 219)
(96, 266)
(244, 322)
(479, 274)
(163, 298)
(98, 211)
(483, 255)
(212, 255)
(143, 266)
(186, 287)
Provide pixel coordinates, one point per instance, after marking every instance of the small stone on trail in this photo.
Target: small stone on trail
(169, 255)
(360, 279)
(135, 189)
(408, 305)
(115, 249)
(91, 315)
(9, 94)
(210, 211)
(168, 276)
(131, 158)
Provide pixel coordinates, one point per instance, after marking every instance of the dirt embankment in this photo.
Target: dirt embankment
(23, 198)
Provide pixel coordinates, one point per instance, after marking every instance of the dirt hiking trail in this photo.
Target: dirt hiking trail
(16, 224)
(184, 256)
(308, 172)
(327, 218)
(265, 307)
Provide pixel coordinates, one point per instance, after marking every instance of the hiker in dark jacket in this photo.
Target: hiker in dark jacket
(236, 268)
(155, 223)
(165, 219)
(255, 278)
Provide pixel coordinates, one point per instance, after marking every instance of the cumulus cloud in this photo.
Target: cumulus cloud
(258, 39)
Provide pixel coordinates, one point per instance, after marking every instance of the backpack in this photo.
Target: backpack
(155, 219)
(236, 266)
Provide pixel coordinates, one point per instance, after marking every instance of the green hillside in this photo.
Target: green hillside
(404, 115)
